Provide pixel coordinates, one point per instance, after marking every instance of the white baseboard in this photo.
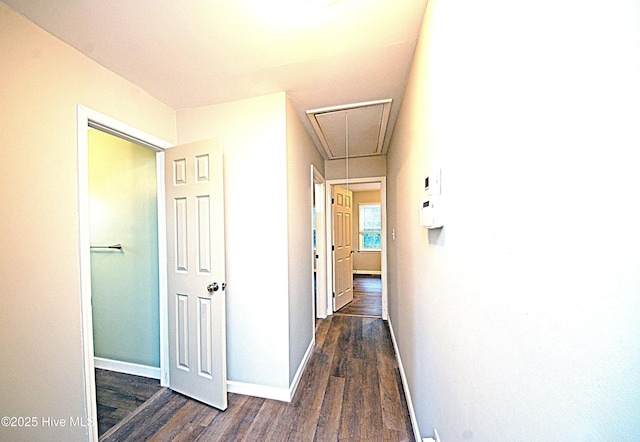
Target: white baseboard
(367, 272)
(301, 367)
(127, 367)
(276, 393)
(257, 390)
(405, 385)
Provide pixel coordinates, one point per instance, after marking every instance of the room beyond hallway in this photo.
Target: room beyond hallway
(351, 390)
(367, 297)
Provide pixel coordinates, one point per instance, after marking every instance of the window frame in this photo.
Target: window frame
(362, 232)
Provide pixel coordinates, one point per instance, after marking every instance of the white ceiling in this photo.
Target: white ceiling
(191, 53)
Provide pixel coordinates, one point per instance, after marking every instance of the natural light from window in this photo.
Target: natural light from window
(370, 227)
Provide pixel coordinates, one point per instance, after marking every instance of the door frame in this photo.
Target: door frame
(318, 189)
(383, 254)
(86, 119)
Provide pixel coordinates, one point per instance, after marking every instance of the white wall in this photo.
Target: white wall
(519, 320)
(267, 158)
(301, 153)
(124, 283)
(253, 135)
(41, 81)
(359, 167)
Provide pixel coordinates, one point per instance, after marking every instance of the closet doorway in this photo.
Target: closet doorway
(123, 225)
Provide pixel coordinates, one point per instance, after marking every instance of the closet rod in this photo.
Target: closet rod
(115, 246)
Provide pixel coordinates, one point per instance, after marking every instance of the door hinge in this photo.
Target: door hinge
(333, 201)
(333, 248)
(334, 295)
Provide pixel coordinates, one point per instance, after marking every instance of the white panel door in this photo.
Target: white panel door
(196, 272)
(342, 244)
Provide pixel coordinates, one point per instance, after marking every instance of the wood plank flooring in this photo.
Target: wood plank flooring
(367, 297)
(350, 391)
(119, 394)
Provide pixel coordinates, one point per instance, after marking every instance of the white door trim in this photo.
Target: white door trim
(319, 188)
(87, 118)
(383, 256)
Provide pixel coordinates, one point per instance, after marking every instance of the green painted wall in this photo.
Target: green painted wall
(124, 284)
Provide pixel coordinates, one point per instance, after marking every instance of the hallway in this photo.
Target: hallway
(351, 390)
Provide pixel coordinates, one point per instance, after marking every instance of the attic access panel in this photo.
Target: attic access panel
(365, 124)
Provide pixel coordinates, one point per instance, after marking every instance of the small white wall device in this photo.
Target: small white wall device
(431, 206)
(431, 212)
(432, 182)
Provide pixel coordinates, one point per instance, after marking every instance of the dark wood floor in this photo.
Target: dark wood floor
(367, 297)
(119, 394)
(350, 391)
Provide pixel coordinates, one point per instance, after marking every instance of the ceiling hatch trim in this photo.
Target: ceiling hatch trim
(352, 130)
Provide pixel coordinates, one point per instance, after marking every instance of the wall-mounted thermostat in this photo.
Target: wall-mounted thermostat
(431, 212)
(432, 182)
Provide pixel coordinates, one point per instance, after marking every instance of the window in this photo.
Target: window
(370, 227)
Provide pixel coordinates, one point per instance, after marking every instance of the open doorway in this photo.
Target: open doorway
(318, 235)
(366, 234)
(123, 217)
(110, 247)
(368, 242)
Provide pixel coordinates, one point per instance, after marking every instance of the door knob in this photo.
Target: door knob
(213, 287)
